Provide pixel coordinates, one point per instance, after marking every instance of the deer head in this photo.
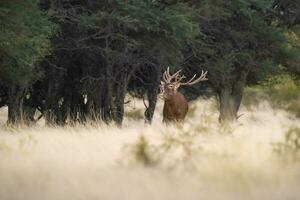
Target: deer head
(171, 83)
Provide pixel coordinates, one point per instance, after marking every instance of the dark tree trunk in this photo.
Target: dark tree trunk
(107, 102)
(230, 98)
(152, 93)
(62, 112)
(152, 99)
(77, 107)
(29, 110)
(15, 105)
(53, 96)
(119, 102)
(228, 106)
(94, 100)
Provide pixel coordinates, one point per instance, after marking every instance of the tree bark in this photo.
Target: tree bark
(152, 99)
(15, 104)
(119, 103)
(228, 112)
(29, 110)
(152, 93)
(230, 98)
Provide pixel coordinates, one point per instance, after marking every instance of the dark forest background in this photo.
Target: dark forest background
(76, 60)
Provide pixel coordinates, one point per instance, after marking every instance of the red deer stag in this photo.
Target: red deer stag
(176, 106)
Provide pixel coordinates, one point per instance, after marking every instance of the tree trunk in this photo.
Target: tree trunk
(152, 99)
(15, 104)
(228, 111)
(120, 93)
(119, 104)
(230, 98)
(152, 93)
(107, 99)
(29, 111)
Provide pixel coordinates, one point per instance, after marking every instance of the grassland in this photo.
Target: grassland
(252, 159)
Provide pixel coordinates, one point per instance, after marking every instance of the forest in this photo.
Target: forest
(81, 92)
(73, 61)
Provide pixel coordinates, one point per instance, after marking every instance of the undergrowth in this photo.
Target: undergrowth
(281, 92)
(290, 147)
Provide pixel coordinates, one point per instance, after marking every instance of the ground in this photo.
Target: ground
(196, 160)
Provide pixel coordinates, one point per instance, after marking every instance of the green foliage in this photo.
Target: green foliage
(142, 152)
(24, 39)
(173, 22)
(237, 37)
(292, 65)
(149, 154)
(115, 46)
(160, 32)
(240, 44)
(290, 147)
(289, 12)
(281, 91)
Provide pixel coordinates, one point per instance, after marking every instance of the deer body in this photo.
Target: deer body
(175, 108)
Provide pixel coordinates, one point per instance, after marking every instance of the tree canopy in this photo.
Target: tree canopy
(241, 44)
(24, 39)
(76, 60)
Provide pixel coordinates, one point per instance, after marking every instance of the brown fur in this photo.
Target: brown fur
(175, 108)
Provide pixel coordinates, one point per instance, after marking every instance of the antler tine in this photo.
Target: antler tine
(168, 71)
(166, 75)
(174, 75)
(165, 78)
(179, 78)
(192, 81)
(187, 83)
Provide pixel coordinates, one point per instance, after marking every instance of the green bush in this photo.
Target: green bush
(281, 92)
(142, 152)
(290, 147)
(294, 108)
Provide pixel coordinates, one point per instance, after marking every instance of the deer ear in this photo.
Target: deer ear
(162, 83)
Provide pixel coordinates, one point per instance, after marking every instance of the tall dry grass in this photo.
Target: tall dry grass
(196, 160)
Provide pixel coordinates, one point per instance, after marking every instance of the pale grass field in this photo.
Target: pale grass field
(196, 160)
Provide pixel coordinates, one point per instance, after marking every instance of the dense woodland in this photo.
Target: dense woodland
(76, 60)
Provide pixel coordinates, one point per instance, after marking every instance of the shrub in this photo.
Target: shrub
(281, 92)
(290, 147)
(142, 152)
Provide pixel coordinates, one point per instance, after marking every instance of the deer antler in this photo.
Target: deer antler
(192, 81)
(179, 78)
(167, 77)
